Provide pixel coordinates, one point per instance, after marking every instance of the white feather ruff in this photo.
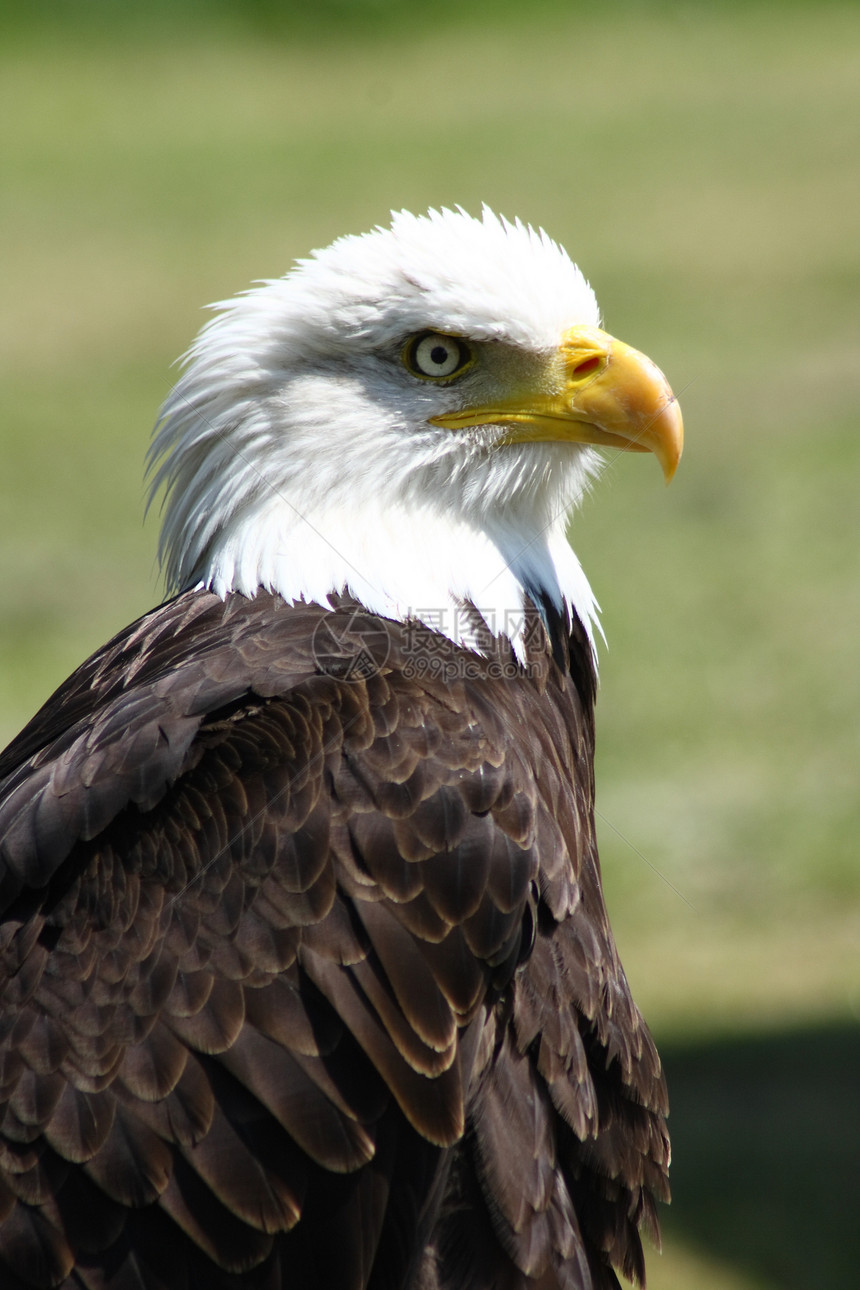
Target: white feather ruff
(296, 451)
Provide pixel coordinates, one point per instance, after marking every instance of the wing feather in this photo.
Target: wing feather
(307, 978)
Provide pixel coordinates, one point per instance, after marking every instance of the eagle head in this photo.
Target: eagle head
(408, 416)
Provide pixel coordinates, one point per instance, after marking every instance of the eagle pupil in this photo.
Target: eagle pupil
(439, 355)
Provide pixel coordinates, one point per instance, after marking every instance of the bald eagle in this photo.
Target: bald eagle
(307, 978)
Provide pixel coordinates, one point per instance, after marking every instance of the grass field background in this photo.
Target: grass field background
(702, 163)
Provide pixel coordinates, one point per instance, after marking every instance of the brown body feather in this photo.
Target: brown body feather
(307, 981)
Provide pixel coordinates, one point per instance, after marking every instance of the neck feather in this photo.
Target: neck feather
(404, 565)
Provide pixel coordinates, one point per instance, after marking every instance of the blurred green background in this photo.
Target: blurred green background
(702, 163)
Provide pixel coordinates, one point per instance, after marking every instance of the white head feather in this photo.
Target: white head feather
(297, 453)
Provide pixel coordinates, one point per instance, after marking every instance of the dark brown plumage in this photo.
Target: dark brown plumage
(307, 980)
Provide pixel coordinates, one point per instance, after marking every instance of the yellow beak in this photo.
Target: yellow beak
(598, 390)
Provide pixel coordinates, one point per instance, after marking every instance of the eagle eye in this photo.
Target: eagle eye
(436, 357)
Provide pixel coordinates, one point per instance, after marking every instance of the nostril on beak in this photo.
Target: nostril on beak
(588, 367)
